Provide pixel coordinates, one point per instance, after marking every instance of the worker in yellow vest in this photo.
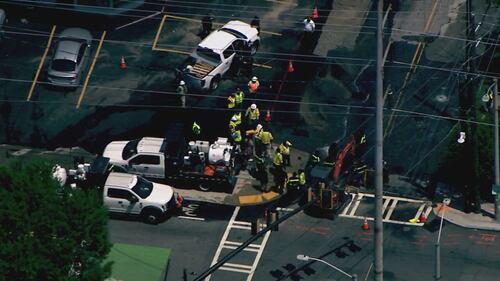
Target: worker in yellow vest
(235, 120)
(231, 101)
(285, 150)
(239, 97)
(278, 170)
(236, 137)
(196, 129)
(252, 115)
(266, 142)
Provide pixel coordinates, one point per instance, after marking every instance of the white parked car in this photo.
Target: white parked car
(215, 54)
(134, 195)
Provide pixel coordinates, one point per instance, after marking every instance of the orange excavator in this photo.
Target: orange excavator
(349, 153)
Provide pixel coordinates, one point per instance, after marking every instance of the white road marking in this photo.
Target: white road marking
(191, 218)
(391, 209)
(284, 209)
(390, 203)
(226, 244)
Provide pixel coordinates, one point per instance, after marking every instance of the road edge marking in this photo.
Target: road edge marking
(47, 48)
(82, 93)
(158, 32)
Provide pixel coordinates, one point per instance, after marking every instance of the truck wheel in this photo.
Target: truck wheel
(151, 216)
(214, 84)
(203, 186)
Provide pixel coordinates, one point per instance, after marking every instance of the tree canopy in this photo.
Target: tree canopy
(49, 233)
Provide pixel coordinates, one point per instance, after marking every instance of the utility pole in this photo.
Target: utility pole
(473, 187)
(379, 142)
(496, 165)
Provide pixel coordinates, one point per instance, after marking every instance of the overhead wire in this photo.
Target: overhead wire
(249, 18)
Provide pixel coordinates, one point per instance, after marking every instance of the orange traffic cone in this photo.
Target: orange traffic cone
(423, 218)
(365, 225)
(123, 64)
(315, 14)
(290, 67)
(268, 116)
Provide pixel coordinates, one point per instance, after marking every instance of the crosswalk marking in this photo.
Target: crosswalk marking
(388, 208)
(226, 244)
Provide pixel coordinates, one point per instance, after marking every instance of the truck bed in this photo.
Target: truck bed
(201, 69)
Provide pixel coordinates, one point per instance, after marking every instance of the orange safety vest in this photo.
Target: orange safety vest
(253, 86)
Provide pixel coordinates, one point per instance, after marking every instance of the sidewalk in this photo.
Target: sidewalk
(484, 221)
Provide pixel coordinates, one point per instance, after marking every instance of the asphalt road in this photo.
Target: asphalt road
(466, 254)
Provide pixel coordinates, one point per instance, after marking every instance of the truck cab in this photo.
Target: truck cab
(214, 55)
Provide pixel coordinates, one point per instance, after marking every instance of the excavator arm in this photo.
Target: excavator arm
(339, 160)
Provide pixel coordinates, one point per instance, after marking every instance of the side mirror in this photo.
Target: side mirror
(134, 199)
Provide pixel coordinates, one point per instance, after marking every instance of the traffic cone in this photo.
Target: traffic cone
(290, 67)
(315, 14)
(268, 116)
(423, 218)
(123, 64)
(365, 225)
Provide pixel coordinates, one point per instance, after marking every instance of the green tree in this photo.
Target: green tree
(48, 233)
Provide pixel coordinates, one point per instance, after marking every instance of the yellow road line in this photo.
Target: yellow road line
(171, 51)
(90, 70)
(217, 23)
(158, 32)
(263, 65)
(47, 48)
(415, 60)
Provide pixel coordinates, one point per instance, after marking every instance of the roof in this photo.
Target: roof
(149, 145)
(217, 41)
(242, 27)
(121, 180)
(67, 49)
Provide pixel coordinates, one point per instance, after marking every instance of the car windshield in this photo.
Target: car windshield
(130, 149)
(63, 65)
(208, 55)
(143, 187)
(234, 32)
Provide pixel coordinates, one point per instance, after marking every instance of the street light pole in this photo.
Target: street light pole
(496, 165)
(437, 275)
(353, 277)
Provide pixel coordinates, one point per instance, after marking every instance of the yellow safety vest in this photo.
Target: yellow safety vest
(236, 135)
(196, 128)
(231, 102)
(266, 137)
(253, 114)
(285, 150)
(239, 96)
(238, 119)
(302, 178)
(278, 159)
(315, 159)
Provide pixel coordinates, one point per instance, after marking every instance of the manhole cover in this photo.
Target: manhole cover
(441, 98)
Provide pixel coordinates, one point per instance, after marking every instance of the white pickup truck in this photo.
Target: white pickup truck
(215, 54)
(134, 195)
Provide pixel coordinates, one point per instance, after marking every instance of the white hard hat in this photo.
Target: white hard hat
(182, 83)
(254, 78)
(259, 127)
(253, 106)
(234, 118)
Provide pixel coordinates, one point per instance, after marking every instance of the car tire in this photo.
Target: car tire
(151, 216)
(214, 84)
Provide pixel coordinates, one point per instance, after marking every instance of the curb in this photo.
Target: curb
(491, 226)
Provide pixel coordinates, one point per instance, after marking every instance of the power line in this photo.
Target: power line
(249, 18)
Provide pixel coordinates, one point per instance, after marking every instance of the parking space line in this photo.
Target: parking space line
(158, 32)
(391, 208)
(45, 52)
(171, 51)
(90, 70)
